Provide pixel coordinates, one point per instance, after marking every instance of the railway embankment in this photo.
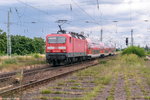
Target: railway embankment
(9, 64)
(122, 78)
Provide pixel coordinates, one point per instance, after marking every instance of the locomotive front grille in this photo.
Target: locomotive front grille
(55, 56)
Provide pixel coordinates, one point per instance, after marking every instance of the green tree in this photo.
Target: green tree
(3, 42)
(22, 45)
(39, 45)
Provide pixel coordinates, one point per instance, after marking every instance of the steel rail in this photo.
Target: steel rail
(40, 82)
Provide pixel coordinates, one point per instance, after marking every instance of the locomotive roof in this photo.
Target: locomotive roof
(72, 34)
(77, 35)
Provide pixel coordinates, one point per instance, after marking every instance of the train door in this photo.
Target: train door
(73, 46)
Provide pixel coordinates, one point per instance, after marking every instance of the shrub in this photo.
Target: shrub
(36, 55)
(1, 54)
(134, 50)
(148, 53)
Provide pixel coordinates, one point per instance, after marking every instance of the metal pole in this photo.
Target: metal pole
(131, 37)
(8, 36)
(116, 26)
(101, 38)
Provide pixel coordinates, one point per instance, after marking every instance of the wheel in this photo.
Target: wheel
(56, 63)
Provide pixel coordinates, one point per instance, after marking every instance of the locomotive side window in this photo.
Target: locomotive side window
(56, 39)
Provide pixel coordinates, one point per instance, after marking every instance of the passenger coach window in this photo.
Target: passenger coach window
(56, 39)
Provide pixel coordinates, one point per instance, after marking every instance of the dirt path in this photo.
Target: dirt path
(119, 93)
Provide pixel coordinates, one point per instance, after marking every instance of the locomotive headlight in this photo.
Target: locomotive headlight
(50, 47)
(61, 47)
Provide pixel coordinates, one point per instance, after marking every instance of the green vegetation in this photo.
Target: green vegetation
(58, 92)
(134, 50)
(129, 69)
(131, 59)
(16, 62)
(46, 91)
(43, 98)
(21, 45)
(79, 88)
(148, 53)
(3, 42)
(57, 98)
(36, 55)
(10, 61)
(103, 62)
(61, 84)
(57, 87)
(76, 84)
(147, 97)
(71, 81)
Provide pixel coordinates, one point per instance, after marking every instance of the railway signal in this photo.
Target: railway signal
(127, 41)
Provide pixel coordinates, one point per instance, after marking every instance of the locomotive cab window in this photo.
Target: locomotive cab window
(56, 39)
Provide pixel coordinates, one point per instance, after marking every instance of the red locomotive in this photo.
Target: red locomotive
(71, 47)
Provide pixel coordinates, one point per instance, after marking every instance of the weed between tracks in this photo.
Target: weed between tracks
(122, 78)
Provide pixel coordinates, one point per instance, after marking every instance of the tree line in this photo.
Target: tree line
(21, 45)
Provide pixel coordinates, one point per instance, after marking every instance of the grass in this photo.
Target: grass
(58, 92)
(45, 91)
(126, 88)
(146, 73)
(61, 84)
(79, 88)
(76, 84)
(44, 98)
(127, 67)
(147, 97)
(112, 91)
(10, 61)
(71, 81)
(103, 62)
(57, 98)
(131, 66)
(105, 80)
(91, 95)
(57, 87)
(16, 62)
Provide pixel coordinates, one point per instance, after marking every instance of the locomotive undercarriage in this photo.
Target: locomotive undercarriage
(62, 59)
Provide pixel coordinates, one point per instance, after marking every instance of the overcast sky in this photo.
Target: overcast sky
(36, 18)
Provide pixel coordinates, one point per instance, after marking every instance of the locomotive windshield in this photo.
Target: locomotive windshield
(56, 39)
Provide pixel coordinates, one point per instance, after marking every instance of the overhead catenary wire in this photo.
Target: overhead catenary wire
(42, 11)
(32, 6)
(84, 11)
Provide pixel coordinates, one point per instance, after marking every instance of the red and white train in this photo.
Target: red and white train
(72, 47)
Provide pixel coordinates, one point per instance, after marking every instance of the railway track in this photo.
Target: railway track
(45, 80)
(9, 74)
(11, 78)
